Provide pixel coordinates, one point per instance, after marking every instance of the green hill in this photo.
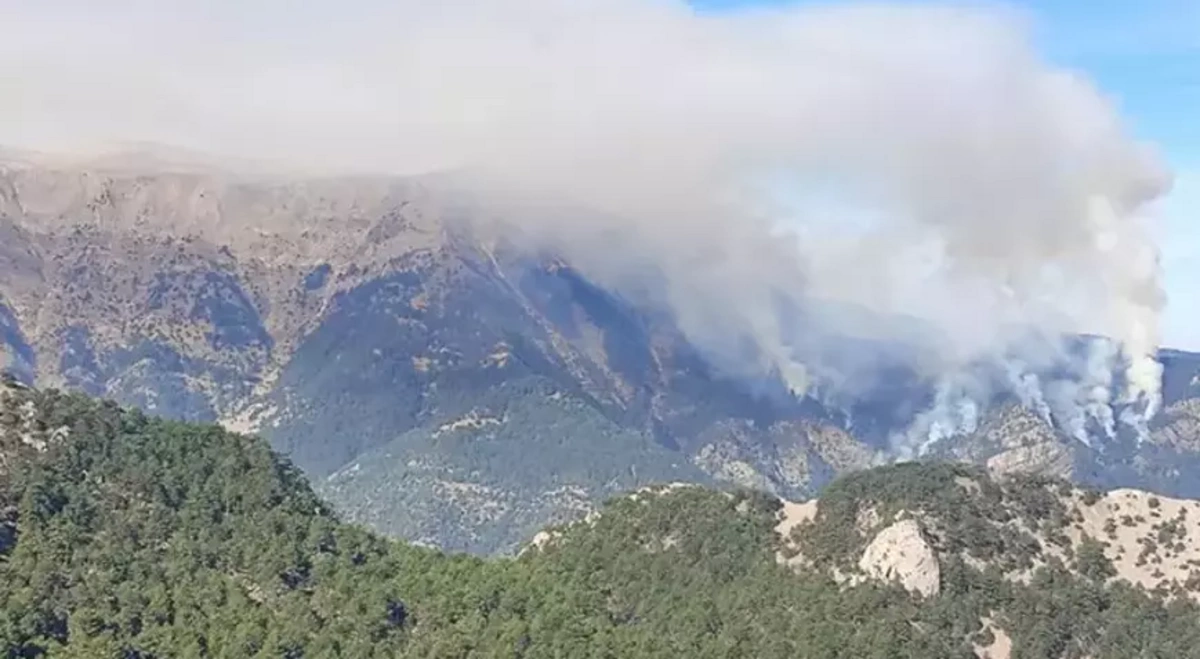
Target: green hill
(127, 536)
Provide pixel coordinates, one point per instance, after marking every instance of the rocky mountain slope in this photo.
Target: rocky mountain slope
(124, 535)
(434, 380)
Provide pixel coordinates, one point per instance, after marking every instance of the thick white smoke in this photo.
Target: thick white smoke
(918, 160)
(1027, 386)
(954, 411)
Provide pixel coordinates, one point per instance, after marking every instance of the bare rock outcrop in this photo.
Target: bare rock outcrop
(1050, 458)
(900, 553)
(1181, 427)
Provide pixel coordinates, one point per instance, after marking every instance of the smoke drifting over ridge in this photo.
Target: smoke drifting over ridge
(917, 160)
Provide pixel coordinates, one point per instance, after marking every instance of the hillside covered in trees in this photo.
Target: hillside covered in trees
(127, 536)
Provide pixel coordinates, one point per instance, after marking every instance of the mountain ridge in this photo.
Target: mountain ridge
(353, 319)
(121, 533)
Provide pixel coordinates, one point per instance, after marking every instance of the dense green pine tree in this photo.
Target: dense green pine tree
(135, 537)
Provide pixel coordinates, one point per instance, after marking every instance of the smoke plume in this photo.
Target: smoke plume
(918, 161)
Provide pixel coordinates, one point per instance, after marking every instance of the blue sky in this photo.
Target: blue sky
(1145, 54)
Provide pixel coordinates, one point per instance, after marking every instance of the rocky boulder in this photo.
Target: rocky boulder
(900, 553)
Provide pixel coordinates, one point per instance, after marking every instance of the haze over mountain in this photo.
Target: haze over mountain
(476, 267)
(996, 195)
(456, 384)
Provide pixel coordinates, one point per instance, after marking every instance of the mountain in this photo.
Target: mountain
(122, 535)
(1014, 438)
(436, 380)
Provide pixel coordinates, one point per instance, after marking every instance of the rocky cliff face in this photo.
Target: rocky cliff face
(900, 553)
(436, 380)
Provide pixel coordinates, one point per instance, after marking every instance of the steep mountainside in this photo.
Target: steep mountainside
(434, 381)
(123, 535)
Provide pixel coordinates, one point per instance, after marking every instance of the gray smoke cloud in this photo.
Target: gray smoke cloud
(917, 160)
